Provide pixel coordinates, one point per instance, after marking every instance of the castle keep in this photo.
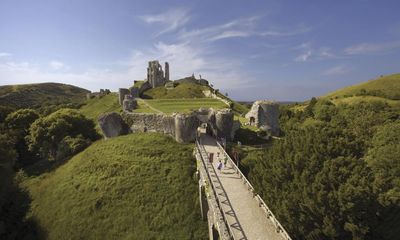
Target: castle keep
(155, 74)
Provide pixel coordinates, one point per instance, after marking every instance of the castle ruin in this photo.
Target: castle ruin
(155, 74)
(265, 115)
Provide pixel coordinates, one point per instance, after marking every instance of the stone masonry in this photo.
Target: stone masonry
(265, 115)
(155, 74)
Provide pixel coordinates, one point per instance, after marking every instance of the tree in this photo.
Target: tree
(384, 159)
(21, 120)
(48, 132)
(18, 124)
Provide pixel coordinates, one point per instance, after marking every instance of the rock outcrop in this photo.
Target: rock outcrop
(112, 125)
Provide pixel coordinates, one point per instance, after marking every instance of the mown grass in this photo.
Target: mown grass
(41, 94)
(184, 105)
(182, 90)
(138, 186)
(96, 106)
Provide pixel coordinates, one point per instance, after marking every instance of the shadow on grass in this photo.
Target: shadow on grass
(44, 166)
(14, 223)
(249, 137)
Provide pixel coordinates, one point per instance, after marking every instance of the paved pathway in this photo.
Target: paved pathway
(246, 218)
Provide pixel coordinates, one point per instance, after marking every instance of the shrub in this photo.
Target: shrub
(69, 146)
(48, 132)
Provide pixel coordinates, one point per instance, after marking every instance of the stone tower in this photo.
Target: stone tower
(166, 72)
(155, 74)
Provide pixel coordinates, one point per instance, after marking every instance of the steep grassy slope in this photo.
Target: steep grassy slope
(41, 94)
(96, 106)
(139, 186)
(109, 103)
(182, 90)
(385, 87)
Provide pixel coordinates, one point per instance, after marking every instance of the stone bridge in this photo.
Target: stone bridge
(228, 200)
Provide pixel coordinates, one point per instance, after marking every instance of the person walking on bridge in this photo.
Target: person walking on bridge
(219, 167)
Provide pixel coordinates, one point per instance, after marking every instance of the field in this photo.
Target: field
(184, 105)
(139, 186)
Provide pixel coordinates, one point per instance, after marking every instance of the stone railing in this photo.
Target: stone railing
(280, 229)
(225, 230)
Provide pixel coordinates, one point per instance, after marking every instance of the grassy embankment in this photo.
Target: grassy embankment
(139, 186)
(184, 105)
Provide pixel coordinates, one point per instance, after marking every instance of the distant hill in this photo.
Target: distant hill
(384, 87)
(41, 94)
(138, 186)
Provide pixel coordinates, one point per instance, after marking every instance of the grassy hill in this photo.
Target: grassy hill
(385, 87)
(139, 186)
(96, 106)
(41, 94)
(182, 90)
(191, 91)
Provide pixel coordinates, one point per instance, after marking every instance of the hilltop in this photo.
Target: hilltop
(137, 186)
(384, 88)
(41, 94)
(181, 90)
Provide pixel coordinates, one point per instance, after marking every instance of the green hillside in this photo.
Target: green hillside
(41, 94)
(182, 90)
(96, 106)
(139, 186)
(385, 87)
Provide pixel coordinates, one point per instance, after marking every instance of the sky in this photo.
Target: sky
(268, 49)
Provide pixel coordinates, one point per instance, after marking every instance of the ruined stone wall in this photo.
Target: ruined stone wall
(182, 127)
(150, 122)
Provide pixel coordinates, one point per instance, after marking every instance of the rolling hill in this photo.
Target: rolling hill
(384, 87)
(41, 94)
(139, 186)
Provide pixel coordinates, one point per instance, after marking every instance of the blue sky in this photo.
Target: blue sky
(279, 50)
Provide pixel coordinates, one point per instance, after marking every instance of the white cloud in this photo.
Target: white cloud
(56, 65)
(304, 57)
(309, 53)
(5, 54)
(241, 27)
(169, 20)
(369, 48)
(338, 70)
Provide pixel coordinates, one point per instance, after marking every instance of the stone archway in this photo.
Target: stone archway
(252, 121)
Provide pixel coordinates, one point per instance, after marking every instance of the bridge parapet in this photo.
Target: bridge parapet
(215, 216)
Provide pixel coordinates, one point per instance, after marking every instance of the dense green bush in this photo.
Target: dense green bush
(70, 146)
(384, 159)
(47, 133)
(316, 178)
